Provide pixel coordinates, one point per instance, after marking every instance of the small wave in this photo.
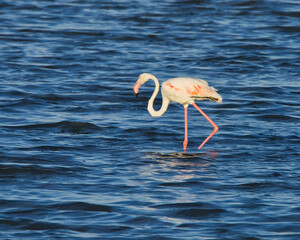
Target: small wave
(260, 104)
(191, 210)
(82, 206)
(13, 170)
(277, 117)
(62, 127)
(198, 213)
(179, 184)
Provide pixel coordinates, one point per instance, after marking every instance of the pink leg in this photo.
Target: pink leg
(185, 142)
(216, 128)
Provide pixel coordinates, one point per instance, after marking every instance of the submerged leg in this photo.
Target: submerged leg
(185, 142)
(216, 128)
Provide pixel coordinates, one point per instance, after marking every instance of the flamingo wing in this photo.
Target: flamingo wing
(200, 90)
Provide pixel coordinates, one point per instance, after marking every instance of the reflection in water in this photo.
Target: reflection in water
(179, 167)
(193, 158)
(175, 174)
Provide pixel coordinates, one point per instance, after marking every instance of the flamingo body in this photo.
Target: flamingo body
(180, 90)
(187, 90)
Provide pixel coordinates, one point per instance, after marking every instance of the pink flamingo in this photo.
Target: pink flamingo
(184, 91)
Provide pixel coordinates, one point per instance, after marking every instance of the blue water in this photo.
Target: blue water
(81, 158)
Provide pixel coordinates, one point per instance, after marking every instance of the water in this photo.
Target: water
(81, 158)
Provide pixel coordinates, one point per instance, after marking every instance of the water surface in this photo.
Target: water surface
(81, 158)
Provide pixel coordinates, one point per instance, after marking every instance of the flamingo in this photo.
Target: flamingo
(184, 91)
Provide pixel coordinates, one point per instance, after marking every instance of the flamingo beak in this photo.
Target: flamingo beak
(136, 87)
(137, 95)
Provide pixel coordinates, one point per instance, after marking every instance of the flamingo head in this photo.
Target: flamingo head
(144, 77)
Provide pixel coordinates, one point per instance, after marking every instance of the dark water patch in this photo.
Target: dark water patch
(246, 3)
(230, 106)
(287, 29)
(261, 104)
(293, 13)
(85, 33)
(81, 206)
(61, 127)
(54, 148)
(14, 204)
(21, 103)
(5, 158)
(15, 93)
(276, 118)
(190, 210)
(181, 184)
(19, 170)
(54, 97)
(257, 186)
(39, 226)
(198, 213)
(295, 92)
(144, 220)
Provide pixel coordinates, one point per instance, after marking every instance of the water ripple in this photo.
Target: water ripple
(81, 158)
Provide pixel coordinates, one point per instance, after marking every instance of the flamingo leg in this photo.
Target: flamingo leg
(216, 128)
(185, 142)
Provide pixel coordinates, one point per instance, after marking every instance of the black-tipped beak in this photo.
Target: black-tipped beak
(136, 95)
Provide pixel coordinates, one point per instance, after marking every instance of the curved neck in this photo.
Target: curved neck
(165, 101)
